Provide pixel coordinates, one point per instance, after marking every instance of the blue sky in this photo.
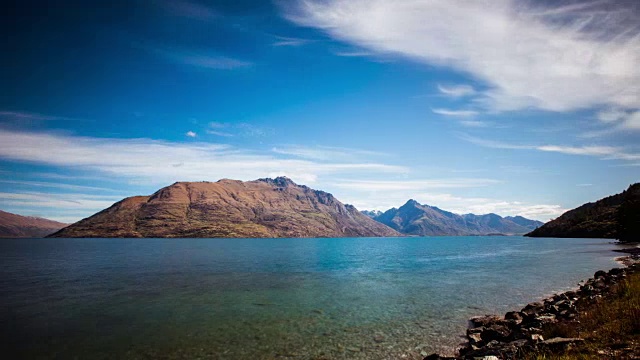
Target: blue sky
(513, 107)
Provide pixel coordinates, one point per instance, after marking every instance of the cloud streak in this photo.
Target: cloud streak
(455, 113)
(162, 162)
(602, 152)
(457, 91)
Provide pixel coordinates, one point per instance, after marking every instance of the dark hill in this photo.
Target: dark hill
(616, 216)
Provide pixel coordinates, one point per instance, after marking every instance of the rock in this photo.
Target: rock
(514, 315)
(475, 339)
(536, 338)
(490, 357)
(600, 284)
(484, 320)
(559, 343)
(496, 332)
(599, 273)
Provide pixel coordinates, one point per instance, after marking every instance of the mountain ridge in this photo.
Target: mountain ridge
(19, 226)
(230, 208)
(417, 219)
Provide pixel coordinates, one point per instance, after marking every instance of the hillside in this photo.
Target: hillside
(612, 217)
(423, 220)
(18, 226)
(230, 208)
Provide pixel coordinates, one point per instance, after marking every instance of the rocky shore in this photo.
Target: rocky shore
(534, 329)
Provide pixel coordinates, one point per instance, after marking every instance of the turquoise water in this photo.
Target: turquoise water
(365, 298)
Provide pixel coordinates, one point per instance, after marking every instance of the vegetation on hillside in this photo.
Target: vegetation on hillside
(614, 217)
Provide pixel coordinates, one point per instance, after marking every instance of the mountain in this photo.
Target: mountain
(371, 213)
(616, 216)
(230, 208)
(413, 218)
(527, 223)
(18, 226)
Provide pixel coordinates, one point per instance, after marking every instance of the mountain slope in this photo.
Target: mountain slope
(600, 219)
(413, 218)
(18, 226)
(230, 208)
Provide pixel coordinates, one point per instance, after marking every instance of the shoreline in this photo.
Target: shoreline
(518, 334)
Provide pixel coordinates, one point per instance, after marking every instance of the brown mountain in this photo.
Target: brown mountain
(18, 226)
(616, 216)
(230, 208)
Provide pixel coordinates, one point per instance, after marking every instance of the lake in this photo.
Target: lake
(348, 298)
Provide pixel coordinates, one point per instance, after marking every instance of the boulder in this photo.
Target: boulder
(484, 320)
(496, 333)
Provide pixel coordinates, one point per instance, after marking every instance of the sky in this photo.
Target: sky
(513, 107)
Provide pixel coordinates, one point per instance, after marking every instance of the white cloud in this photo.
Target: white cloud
(325, 153)
(191, 134)
(473, 123)
(161, 162)
(456, 113)
(58, 201)
(619, 120)
(413, 185)
(457, 90)
(602, 152)
(556, 58)
(611, 115)
(218, 133)
(290, 41)
(54, 185)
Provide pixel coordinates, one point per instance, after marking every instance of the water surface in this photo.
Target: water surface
(369, 298)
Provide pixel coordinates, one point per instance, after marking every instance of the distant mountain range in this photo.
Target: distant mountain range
(18, 226)
(414, 218)
(230, 208)
(614, 217)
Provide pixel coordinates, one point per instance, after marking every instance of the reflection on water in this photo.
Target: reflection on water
(272, 298)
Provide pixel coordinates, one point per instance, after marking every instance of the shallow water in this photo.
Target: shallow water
(368, 298)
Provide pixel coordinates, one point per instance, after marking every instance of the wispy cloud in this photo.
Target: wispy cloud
(74, 201)
(290, 41)
(457, 90)
(154, 160)
(326, 153)
(602, 152)
(473, 123)
(352, 53)
(54, 185)
(226, 129)
(415, 185)
(29, 116)
(191, 134)
(218, 133)
(456, 113)
(542, 56)
(194, 57)
(622, 119)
